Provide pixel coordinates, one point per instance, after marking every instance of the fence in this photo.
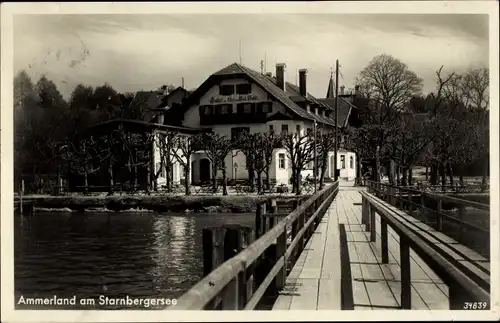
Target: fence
(465, 221)
(462, 288)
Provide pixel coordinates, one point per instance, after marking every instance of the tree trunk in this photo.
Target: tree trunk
(443, 176)
(434, 174)
(323, 171)
(224, 180)
(410, 175)
(187, 169)
(358, 169)
(86, 182)
(450, 174)
(426, 173)
(111, 179)
(214, 176)
(486, 174)
(266, 171)
(398, 175)
(377, 164)
(391, 172)
(293, 180)
(259, 182)
(298, 189)
(404, 180)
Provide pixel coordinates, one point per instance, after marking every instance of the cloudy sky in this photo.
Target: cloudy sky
(143, 51)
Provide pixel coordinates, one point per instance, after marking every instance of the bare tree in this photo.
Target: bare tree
(167, 144)
(300, 152)
(187, 145)
(389, 85)
(325, 143)
(216, 148)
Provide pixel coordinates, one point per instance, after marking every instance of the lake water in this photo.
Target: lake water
(92, 255)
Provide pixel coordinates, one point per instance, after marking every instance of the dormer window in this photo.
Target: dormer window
(226, 89)
(245, 88)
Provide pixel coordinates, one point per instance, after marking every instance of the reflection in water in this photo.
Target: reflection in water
(115, 254)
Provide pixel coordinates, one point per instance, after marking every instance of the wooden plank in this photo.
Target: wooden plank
(435, 301)
(417, 303)
(329, 294)
(380, 294)
(360, 295)
(314, 259)
(307, 299)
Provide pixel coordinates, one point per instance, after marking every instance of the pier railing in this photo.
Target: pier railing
(464, 290)
(463, 220)
(233, 284)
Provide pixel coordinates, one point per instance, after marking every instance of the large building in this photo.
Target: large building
(237, 99)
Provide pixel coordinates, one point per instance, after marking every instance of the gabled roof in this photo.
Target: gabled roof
(344, 109)
(268, 84)
(149, 99)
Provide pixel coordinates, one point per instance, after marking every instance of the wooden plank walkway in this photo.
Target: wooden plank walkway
(315, 281)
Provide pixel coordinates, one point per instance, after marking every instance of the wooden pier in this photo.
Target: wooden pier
(350, 248)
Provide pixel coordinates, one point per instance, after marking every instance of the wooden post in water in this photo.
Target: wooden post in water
(221, 244)
(259, 220)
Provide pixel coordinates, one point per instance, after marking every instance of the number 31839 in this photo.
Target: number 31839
(475, 305)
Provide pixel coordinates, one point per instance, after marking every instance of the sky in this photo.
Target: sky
(144, 51)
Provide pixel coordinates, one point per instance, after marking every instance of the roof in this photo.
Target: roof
(344, 109)
(148, 98)
(269, 85)
(137, 125)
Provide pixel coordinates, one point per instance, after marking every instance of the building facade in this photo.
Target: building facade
(237, 99)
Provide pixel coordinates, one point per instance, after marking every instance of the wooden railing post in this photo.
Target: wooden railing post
(401, 202)
(21, 193)
(404, 249)
(280, 252)
(461, 215)
(439, 219)
(213, 255)
(273, 208)
(373, 225)
(261, 210)
(383, 240)
(410, 202)
(367, 216)
(363, 210)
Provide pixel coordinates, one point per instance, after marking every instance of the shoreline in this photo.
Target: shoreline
(177, 204)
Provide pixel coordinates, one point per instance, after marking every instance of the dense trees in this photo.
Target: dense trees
(446, 130)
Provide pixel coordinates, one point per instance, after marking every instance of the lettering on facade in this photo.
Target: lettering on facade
(234, 98)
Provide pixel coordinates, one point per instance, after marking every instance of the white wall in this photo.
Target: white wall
(178, 172)
(346, 173)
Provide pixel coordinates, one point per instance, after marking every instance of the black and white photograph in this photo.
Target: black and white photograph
(278, 158)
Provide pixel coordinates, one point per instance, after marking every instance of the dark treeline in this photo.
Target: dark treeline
(44, 120)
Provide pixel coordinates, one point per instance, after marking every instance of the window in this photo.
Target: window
(243, 88)
(205, 110)
(342, 161)
(265, 107)
(226, 89)
(281, 159)
(225, 109)
(271, 128)
(284, 128)
(238, 131)
(247, 108)
(309, 131)
(351, 162)
(298, 128)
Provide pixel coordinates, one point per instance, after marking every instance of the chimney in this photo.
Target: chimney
(342, 90)
(269, 74)
(280, 75)
(302, 82)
